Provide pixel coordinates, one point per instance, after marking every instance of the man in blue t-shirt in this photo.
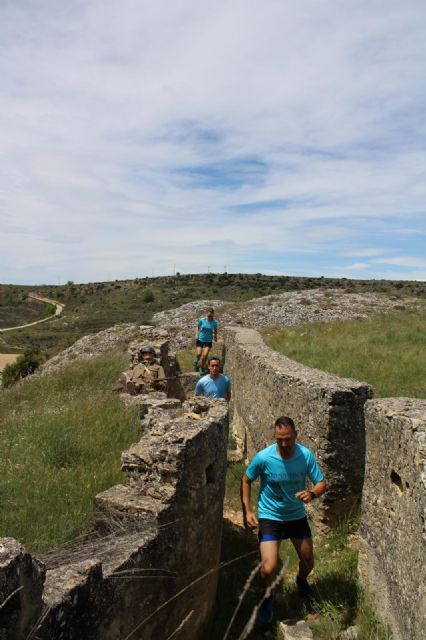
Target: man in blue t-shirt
(214, 384)
(205, 333)
(282, 468)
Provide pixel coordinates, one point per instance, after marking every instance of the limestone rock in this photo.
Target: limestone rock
(21, 584)
(296, 630)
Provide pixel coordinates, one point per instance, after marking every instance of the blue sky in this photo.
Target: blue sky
(139, 138)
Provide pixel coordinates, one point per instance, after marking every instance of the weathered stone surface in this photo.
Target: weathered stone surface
(290, 309)
(327, 410)
(21, 585)
(150, 337)
(184, 385)
(296, 630)
(149, 402)
(351, 633)
(393, 532)
(151, 546)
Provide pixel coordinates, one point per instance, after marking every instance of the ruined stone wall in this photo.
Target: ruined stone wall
(149, 566)
(327, 410)
(393, 525)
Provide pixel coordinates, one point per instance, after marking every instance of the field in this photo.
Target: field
(61, 437)
(98, 305)
(388, 351)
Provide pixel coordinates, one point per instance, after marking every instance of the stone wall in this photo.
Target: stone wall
(147, 567)
(393, 528)
(328, 412)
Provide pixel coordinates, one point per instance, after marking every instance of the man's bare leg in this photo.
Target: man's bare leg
(205, 353)
(305, 551)
(269, 557)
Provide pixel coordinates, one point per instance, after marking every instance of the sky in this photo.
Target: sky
(141, 138)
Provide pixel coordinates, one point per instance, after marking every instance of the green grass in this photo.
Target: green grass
(60, 440)
(184, 359)
(388, 351)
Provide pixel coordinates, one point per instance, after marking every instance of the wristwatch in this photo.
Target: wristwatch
(313, 495)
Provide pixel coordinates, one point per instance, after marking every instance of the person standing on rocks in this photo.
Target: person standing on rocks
(215, 384)
(205, 333)
(147, 375)
(282, 468)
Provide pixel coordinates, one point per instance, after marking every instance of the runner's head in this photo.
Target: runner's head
(214, 366)
(285, 434)
(148, 354)
(210, 314)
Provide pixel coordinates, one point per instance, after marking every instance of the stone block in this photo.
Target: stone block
(21, 585)
(393, 530)
(328, 412)
(295, 630)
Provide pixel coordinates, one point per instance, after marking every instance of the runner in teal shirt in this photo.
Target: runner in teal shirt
(281, 480)
(205, 333)
(283, 468)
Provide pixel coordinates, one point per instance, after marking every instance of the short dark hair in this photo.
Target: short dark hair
(215, 358)
(284, 421)
(210, 310)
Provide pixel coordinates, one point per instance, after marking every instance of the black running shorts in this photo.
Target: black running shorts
(280, 530)
(202, 344)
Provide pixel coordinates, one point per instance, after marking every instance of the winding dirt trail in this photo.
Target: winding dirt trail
(59, 307)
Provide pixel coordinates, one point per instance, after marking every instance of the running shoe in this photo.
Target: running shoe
(266, 612)
(304, 588)
(195, 364)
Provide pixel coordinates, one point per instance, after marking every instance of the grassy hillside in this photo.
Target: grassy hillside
(95, 306)
(61, 437)
(388, 351)
(17, 308)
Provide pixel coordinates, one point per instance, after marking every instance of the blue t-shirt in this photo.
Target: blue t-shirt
(219, 387)
(281, 479)
(206, 329)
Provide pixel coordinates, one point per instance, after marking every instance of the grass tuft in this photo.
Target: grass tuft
(387, 351)
(61, 437)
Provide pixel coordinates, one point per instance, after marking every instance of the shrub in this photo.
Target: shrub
(49, 310)
(148, 296)
(26, 364)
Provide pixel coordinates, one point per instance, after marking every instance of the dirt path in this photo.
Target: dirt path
(59, 307)
(7, 358)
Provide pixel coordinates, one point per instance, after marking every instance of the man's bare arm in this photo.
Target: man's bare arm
(316, 491)
(250, 520)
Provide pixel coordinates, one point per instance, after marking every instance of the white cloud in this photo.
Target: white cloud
(129, 125)
(356, 266)
(404, 261)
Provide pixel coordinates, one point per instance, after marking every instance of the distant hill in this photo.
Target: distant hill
(97, 305)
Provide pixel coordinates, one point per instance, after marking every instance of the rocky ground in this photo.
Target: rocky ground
(288, 309)
(92, 346)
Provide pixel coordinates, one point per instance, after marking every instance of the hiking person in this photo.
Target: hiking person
(215, 384)
(147, 375)
(282, 468)
(205, 333)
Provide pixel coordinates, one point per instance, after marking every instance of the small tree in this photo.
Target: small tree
(26, 364)
(148, 296)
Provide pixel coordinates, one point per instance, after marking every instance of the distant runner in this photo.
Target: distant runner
(282, 468)
(215, 384)
(205, 333)
(147, 375)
